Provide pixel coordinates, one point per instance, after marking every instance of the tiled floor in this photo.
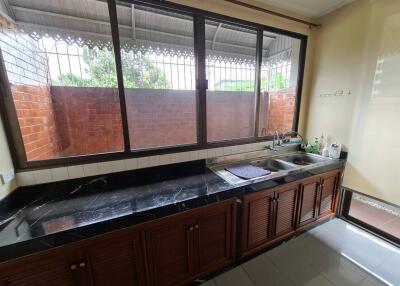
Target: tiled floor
(335, 253)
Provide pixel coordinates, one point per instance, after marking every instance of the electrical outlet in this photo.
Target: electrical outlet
(7, 176)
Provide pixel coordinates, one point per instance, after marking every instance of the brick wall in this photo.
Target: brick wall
(88, 120)
(28, 76)
(277, 110)
(161, 117)
(230, 115)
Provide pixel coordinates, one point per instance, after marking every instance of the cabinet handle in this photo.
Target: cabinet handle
(82, 265)
(196, 226)
(73, 267)
(191, 228)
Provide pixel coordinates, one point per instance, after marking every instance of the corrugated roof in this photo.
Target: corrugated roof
(87, 22)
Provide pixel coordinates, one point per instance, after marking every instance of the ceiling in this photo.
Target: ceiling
(308, 8)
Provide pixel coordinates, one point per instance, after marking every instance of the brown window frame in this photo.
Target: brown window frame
(10, 119)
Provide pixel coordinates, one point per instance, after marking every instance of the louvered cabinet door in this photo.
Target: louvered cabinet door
(309, 191)
(329, 188)
(215, 236)
(257, 220)
(118, 260)
(285, 209)
(170, 250)
(45, 270)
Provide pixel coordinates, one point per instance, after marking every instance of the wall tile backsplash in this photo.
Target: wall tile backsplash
(78, 171)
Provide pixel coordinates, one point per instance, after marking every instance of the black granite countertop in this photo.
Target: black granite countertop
(44, 216)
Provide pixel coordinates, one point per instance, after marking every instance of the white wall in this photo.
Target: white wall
(354, 44)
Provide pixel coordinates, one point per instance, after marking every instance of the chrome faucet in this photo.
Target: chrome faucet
(273, 148)
(303, 143)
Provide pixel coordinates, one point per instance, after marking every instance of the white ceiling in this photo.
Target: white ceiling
(308, 8)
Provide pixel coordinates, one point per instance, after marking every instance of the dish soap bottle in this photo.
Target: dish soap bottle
(315, 146)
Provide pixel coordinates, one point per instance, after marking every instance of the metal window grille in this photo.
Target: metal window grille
(66, 60)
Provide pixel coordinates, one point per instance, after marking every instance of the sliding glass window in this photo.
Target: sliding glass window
(63, 84)
(230, 71)
(191, 80)
(158, 66)
(279, 78)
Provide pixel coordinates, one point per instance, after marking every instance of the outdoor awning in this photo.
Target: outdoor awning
(86, 22)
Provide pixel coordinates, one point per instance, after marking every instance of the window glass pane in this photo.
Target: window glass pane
(279, 75)
(230, 71)
(158, 70)
(67, 102)
(378, 214)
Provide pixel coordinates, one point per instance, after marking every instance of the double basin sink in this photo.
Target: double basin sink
(288, 162)
(278, 165)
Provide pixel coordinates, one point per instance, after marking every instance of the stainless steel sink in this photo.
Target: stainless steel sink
(271, 165)
(303, 159)
(278, 165)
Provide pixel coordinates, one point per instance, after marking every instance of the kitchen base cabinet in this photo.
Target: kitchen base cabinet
(257, 220)
(183, 247)
(329, 193)
(318, 198)
(285, 210)
(215, 237)
(118, 260)
(308, 201)
(46, 270)
(268, 216)
(170, 250)
(274, 214)
(177, 249)
(114, 259)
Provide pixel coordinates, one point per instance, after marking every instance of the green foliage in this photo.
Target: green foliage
(242, 85)
(277, 82)
(138, 71)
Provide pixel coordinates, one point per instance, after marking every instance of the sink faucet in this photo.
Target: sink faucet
(278, 143)
(303, 143)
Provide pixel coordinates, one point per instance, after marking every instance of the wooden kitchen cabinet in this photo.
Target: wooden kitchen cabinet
(215, 236)
(318, 198)
(107, 260)
(268, 216)
(328, 193)
(118, 260)
(180, 248)
(52, 268)
(308, 201)
(188, 245)
(257, 219)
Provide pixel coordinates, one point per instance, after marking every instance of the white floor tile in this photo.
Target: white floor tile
(389, 271)
(372, 281)
(333, 254)
(234, 277)
(317, 281)
(304, 274)
(263, 272)
(209, 283)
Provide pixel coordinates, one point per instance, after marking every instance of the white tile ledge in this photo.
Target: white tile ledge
(102, 168)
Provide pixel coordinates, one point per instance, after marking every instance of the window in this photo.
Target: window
(279, 77)
(159, 74)
(65, 94)
(377, 215)
(192, 80)
(230, 71)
